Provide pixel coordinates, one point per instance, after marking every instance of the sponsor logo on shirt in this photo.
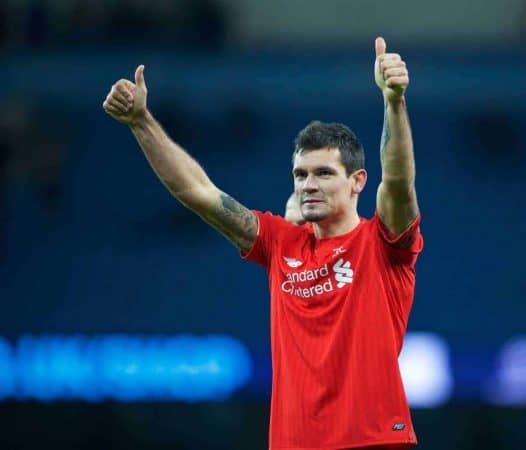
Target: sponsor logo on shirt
(292, 262)
(330, 278)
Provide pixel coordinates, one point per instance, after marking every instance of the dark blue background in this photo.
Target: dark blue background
(119, 253)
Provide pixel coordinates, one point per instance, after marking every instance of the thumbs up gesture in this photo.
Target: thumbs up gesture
(127, 100)
(390, 72)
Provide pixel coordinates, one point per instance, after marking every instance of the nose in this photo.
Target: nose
(310, 184)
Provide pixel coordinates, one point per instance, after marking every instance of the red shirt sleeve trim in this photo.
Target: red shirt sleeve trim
(403, 240)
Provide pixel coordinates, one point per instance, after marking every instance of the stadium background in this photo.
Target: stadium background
(92, 245)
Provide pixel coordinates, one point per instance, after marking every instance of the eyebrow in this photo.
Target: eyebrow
(327, 168)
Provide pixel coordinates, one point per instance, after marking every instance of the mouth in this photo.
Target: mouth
(310, 201)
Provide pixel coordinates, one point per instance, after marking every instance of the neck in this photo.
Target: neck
(337, 227)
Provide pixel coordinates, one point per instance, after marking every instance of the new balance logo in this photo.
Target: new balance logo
(292, 262)
(343, 271)
(398, 426)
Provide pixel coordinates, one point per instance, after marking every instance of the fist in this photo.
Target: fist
(127, 100)
(390, 72)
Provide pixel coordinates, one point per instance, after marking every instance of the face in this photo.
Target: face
(322, 187)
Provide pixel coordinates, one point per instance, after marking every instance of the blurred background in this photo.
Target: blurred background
(128, 323)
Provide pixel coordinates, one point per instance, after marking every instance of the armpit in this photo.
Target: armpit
(404, 240)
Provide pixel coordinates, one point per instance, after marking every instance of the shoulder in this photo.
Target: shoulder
(276, 230)
(274, 235)
(269, 220)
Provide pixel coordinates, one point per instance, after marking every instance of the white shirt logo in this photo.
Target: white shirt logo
(292, 262)
(321, 278)
(343, 271)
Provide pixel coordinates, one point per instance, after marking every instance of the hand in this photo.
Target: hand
(390, 72)
(127, 100)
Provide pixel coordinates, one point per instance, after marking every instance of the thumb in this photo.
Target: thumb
(380, 46)
(139, 77)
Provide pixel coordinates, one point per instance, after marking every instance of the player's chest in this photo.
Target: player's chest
(319, 271)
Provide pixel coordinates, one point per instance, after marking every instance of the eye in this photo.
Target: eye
(324, 173)
(299, 175)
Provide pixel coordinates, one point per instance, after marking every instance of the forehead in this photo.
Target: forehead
(310, 159)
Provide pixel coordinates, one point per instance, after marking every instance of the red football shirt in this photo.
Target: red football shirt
(339, 311)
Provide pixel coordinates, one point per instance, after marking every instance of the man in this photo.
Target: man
(341, 286)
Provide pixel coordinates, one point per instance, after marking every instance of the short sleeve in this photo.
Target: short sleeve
(405, 247)
(269, 227)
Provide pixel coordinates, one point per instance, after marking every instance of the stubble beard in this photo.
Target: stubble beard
(314, 216)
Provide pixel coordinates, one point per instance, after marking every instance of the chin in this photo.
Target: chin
(314, 217)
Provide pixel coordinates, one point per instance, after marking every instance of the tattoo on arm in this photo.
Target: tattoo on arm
(237, 223)
(386, 135)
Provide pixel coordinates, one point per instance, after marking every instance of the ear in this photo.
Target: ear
(359, 179)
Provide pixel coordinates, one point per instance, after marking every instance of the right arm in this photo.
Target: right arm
(179, 172)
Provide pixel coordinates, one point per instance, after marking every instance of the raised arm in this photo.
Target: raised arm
(179, 172)
(396, 201)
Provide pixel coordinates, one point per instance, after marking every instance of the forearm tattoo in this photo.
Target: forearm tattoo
(237, 223)
(386, 135)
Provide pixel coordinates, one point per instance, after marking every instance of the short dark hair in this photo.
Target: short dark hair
(317, 135)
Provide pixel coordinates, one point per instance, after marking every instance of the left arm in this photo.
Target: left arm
(396, 201)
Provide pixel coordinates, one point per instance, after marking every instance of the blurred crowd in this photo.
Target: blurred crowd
(30, 153)
(33, 153)
(198, 24)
